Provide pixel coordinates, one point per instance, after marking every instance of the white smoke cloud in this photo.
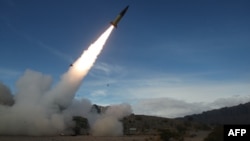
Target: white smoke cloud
(109, 124)
(32, 115)
(39, 109)
(29, 115)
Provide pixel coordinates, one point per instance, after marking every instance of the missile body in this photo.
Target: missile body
(118, 18)
(116, 21)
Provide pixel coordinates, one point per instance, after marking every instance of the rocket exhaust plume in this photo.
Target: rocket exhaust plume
(37, 109)
(64, 92)
(87, 59)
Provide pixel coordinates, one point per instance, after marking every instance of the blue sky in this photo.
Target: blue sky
(167, 57)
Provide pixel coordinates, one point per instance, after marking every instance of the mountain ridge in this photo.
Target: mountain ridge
(239, 114)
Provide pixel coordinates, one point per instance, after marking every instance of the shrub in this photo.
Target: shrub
(166, 134)
(215, 135)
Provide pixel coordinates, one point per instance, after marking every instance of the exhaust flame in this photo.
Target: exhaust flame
(65, 90)
(87, 59)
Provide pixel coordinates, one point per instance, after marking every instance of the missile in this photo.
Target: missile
(119, 17)
(114, 23)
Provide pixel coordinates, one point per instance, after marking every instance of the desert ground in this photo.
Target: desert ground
(200, 136)
(76, 138)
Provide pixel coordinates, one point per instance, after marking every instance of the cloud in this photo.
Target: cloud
(167, 107)
(230, 101)
(103, 67)
(8, 75)
(102, 70)
(171, 108)
(9, 72)
(99, 93)
(185, 88)
(54, 51)
(169, 95)
(171, 99)
(161, 93)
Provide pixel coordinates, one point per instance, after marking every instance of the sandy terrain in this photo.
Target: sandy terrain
(200, 135)
(78, 138)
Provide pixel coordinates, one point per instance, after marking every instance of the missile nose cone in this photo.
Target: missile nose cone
(124, 10)
(127, 7)
(119, 17)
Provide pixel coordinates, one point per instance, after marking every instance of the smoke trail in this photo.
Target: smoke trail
(64, 92)
(39, 110)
